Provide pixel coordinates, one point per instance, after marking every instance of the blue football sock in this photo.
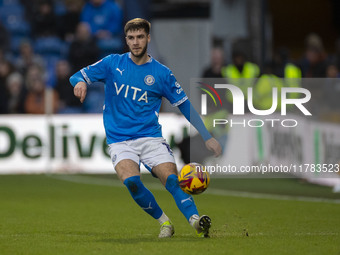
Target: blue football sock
(143, 196)
(185, 202)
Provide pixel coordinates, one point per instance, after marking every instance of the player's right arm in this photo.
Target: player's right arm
(89, 75)
(80, 91)
(80, 86)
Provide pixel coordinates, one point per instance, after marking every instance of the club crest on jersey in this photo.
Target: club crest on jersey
(149, 80)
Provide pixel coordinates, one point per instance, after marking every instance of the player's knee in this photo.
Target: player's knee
(132, 183)
(172, 183)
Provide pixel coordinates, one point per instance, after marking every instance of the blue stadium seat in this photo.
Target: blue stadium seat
(59, 7)
(95, 98)
(9, 11)
(51, 63)
(110, 46)
(10, 2)
(16, 41)
(17, 26)
(50, 46)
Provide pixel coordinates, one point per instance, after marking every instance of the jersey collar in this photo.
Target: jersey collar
(149, 61)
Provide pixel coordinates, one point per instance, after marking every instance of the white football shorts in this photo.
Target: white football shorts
(150, 151)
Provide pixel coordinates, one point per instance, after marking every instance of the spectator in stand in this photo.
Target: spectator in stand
(36, 98)
(241, 73)
(83, 50)
(6, 69)
(15, 93)
(34, 72)
(69, 21)
(331, 92)
(262, 90)
(28, 58)
(332, 70)
(2, 55)
(4, 38)
(283, 66)
(29, 7)
(68, 103)
(104, 17)
(314, 64)
(44, 21)
(240, 68)
(337, 54)
(216, 64)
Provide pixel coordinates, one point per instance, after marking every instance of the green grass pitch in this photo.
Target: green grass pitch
(83, 214)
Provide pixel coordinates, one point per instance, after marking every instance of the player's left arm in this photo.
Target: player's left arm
(193, 117)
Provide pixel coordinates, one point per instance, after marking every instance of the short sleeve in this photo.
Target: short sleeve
(97, 71)
(173, 91)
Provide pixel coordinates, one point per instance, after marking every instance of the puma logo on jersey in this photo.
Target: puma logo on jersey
(132, 92)
(120, 71)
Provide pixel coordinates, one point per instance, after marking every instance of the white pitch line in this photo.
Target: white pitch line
(210, 191)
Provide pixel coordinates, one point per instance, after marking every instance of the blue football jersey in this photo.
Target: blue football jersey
(133, 95)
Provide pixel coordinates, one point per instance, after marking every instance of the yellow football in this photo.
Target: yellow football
(193, 179)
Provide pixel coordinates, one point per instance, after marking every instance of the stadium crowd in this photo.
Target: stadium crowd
(283, 71)
(43, 42)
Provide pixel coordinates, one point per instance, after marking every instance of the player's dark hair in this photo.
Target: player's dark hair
(136, 24)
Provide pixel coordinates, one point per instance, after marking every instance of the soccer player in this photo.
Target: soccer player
(135, 85)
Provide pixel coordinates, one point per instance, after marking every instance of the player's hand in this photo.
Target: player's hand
(80, 91)
(213, 145)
